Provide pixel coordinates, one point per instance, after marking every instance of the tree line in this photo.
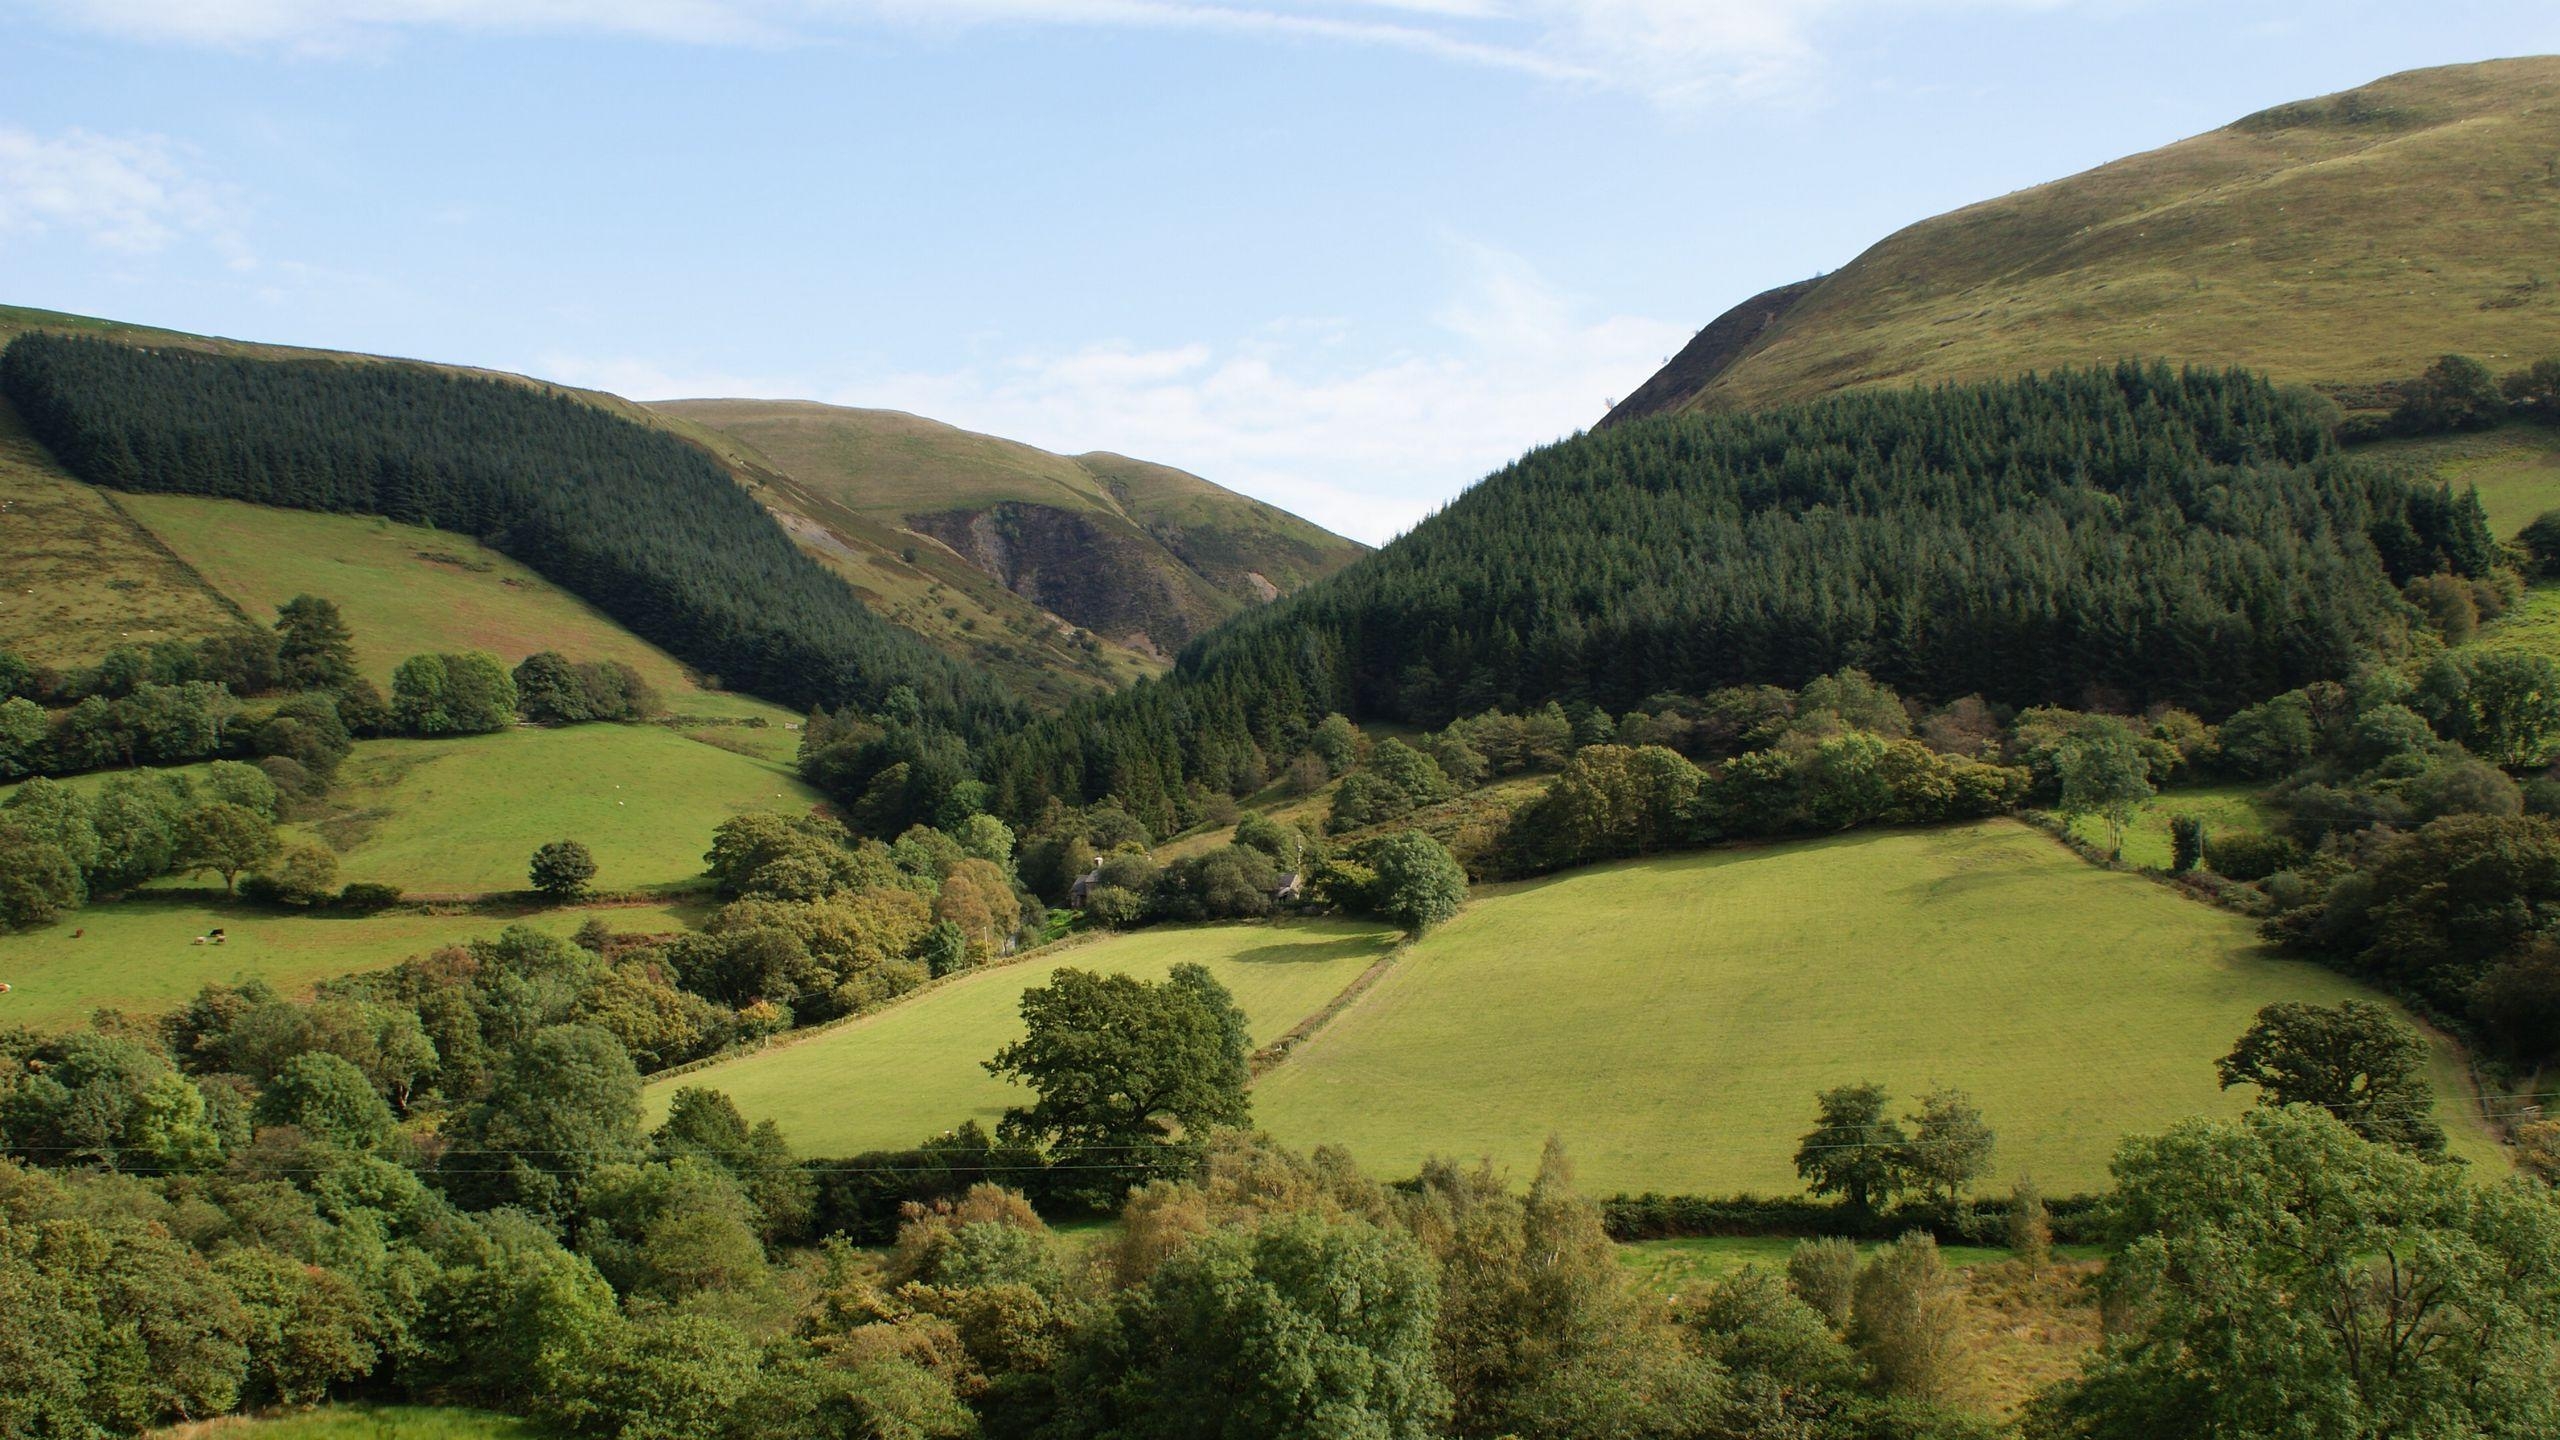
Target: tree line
(2127, 536)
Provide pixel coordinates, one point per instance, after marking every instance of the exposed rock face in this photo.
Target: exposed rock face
(1088, 567)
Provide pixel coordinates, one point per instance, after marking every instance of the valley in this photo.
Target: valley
(1980, 860)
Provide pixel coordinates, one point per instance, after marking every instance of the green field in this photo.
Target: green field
(135, 954)
(1672, 1019)
(912, 1071)
(81, 576)
(363, 1422)
(463, 816)
(406, 589)
(2516, 469)
(2222, 808)
(2534, 624)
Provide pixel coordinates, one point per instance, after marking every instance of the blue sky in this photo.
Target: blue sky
(1346, 255)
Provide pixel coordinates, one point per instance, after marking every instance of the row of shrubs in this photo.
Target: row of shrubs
(2074, 1218)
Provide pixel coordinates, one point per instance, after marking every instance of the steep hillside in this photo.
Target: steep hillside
(922, 586)
(2340, 242)
(1142, 554)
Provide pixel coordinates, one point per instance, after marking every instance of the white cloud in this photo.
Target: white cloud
(1364, 448)
(1679, 52)
(131, 194)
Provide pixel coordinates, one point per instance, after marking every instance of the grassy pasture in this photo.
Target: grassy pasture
(912, 1071)
(464, 815)
(81, 576)
(134, 954)
(2516, 469)
(362, 1422)
(2222, 808)
(1672, 1019)
(406, 589)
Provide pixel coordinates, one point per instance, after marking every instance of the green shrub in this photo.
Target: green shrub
(2248, 854)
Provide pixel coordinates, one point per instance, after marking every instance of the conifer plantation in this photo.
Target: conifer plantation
(638, 523)
(2142, 534)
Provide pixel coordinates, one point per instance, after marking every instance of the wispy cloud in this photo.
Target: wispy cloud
(1365, 447)
(132, 194)
(1679, 52)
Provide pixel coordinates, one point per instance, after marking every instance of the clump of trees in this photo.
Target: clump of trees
(2458, 393)
(177, 701)
(1859, 1153)
(2279, 1274)
(59, 849)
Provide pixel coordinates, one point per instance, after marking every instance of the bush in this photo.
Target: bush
(367, 896)
(561, 869)
(1824, 1275)
(2248, 854)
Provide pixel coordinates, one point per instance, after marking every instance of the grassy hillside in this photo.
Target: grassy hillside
(1673, 1019)
(81, 577)
(462, 816)
(136, 954)
(1143, 554)
(406, 589)
(2341, 241)
(920, 585)
(912, 1072)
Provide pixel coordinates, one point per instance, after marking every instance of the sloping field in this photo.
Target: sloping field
(77, 576)
(137, 953)
(464, 815)
(1672, 1019)
(406, 589)
(913, 1071)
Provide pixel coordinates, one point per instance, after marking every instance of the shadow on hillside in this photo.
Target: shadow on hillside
(1313, 952)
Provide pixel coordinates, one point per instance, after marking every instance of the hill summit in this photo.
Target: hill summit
(2339, 242)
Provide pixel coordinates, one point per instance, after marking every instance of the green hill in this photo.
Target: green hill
(1143, 554)
(2341, 242)
(1147, 546)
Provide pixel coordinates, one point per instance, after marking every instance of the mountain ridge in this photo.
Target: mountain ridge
(2341, 242)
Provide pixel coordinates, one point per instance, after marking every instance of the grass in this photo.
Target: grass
(912, 1071)
(2222, 808)
(464, 815)
(1672, 1019)
(1672, 1266)
(2516, 469)
(2533, 624)
(134, 954)
(362, 1422)
(407, 589)
(2025, 1331)
(81, 576)
(2340, 242)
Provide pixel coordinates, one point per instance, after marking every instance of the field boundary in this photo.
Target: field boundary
(800, 1035)
(1270, 1056)
(152, 537)
(2437, 1026)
